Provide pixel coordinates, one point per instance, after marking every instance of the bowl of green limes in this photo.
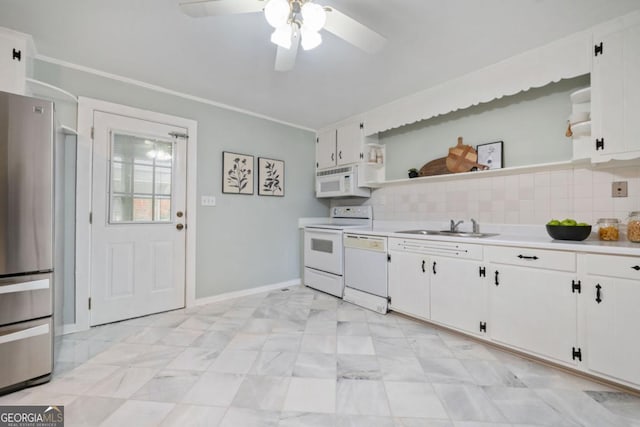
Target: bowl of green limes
(568, 229)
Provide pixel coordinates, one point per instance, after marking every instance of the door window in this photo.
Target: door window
(141, 179)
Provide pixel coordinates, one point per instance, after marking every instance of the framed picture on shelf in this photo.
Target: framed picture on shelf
(491, 154)
(237, 173)
(270, 177)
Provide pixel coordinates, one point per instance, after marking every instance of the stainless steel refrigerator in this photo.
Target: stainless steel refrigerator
(26, 241)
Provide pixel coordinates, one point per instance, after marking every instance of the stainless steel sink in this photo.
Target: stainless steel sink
(447, 233)
(422, 232)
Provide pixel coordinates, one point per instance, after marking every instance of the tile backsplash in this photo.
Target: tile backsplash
(583, 193)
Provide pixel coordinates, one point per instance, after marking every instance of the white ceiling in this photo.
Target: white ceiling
(230, 59)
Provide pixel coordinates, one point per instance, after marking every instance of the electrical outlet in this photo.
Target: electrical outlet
(208, 200)
(619, 189)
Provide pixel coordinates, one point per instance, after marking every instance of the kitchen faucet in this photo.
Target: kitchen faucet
(476, 226)
(454, 225)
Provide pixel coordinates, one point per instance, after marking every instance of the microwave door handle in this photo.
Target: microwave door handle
(323, 231)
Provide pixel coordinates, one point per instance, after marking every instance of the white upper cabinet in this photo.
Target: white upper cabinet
(326, 149)
(350, 143)
(615, 82)
(15, 51)
(341, 146)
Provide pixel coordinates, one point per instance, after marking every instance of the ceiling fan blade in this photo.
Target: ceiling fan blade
(286, 58)
(353, 32)
(201, 8)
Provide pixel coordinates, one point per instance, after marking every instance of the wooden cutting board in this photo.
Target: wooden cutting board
(435, 167)
(461, 158)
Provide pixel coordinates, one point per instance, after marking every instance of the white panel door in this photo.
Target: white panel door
(138, 202)
(326, 149)
(409, 283)
(613, 347)
(349, 144)
(534, 310)
(458, 293)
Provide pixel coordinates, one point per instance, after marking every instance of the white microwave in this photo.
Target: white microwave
(340, 182)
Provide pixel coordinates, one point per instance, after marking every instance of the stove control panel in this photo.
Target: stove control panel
(364, 212)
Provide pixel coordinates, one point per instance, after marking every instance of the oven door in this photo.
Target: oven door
(323, 250)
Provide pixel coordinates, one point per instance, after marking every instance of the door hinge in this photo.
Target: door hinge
(598, 49)
(361, 156)
(388, 257)
(90, 217)
(317, 139)
(599, 144)
(389, 300)
(92, 132)
(576, 353)
(17, 55)
(483, 326)
(89, 303)
(482, 271)
(576, 286)
(317, 165)
(361, 125)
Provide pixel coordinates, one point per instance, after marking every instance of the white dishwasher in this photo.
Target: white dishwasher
(365, 271)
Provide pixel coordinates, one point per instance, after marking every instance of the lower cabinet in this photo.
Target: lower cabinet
(613, 316)
(533, 307)
(459, 294)
(409, 283)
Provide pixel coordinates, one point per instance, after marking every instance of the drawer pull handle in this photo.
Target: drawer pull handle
(636, 267)
(598, 294)
(497, 281)
(434, 267)
(527, 257)
(423, 269)
(24, 334)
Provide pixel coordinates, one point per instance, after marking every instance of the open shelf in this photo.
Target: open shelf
(50, 91)
(479, 174)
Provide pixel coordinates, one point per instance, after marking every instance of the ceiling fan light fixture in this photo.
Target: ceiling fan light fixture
(313, 15)
(282, 36)
(277, 12)
(310, 39)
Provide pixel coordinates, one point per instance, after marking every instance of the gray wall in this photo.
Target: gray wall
(531, 124)
(245, 241)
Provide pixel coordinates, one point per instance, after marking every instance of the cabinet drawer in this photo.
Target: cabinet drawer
(625, 267)
(538, 258)
(25, 351)
(439, 248)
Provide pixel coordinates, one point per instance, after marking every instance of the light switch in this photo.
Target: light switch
(208, 200)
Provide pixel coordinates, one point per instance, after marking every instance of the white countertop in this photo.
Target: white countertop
(508, 235)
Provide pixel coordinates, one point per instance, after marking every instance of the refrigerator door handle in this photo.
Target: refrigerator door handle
(25, 333)
(25, 286)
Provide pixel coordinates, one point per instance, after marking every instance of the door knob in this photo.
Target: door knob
(179, 227)
(179, 214)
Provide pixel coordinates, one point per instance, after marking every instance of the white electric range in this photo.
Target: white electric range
(323, 248)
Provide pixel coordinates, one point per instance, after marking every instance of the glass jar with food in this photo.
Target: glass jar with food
(608, 229)
(633, 227)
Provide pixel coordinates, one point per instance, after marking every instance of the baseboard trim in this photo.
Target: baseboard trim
(246, 292)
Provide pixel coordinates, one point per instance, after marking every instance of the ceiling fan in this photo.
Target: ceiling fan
(296, 22)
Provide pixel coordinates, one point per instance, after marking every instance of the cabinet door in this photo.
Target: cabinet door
(458, 293)
(615, 83)
(350, 144)
(534, 310)
(409, 283)
(613, 344)
(326, 149)
(12, 66)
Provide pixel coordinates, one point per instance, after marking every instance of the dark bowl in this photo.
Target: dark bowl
(569, 232)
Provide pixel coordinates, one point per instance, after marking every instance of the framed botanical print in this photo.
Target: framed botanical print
(490, 154)
(270, 177)
(237, 173)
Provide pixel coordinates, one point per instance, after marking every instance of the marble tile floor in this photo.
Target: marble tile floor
(298, 357)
